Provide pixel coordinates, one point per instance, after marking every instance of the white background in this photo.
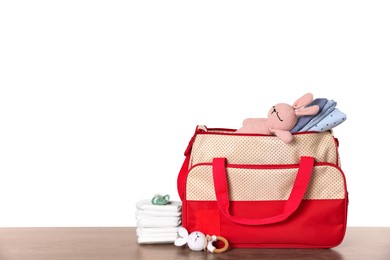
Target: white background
(98, 99)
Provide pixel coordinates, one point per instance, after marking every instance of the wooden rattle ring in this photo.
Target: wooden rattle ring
(224, 248)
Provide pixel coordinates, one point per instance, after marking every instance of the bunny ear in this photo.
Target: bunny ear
(183, 236)
(183, 232)
(181, 241)
(312, 110)
(303, 101)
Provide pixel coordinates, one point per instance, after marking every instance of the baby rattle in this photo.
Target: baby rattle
(197, 241)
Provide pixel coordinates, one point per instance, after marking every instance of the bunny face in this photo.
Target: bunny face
(196, 241)
(282, 116)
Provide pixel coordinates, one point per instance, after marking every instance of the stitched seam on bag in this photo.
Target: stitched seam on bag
(327, 182)
(263, 150)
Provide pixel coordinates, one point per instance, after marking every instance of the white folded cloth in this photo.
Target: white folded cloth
(156, 231)
(157, 239)
(174, 234)
(157, 224)
(157, 213)
(172, 206)
(158, 221)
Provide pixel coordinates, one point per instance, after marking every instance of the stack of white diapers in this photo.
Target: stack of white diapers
(157, 223)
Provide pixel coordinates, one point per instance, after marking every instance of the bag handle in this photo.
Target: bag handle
(298, 191)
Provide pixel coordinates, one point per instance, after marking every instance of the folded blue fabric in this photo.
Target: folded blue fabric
(328, 108)
(303, 120)
(332, 120)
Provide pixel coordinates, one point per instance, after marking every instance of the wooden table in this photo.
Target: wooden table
(120, 243)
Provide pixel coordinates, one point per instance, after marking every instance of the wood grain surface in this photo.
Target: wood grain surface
(120, 243)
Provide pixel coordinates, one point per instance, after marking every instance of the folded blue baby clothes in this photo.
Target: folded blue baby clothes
(303, 120)
(332, 120)
(328, 108)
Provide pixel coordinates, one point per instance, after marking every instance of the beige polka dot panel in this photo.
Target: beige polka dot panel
(241, 149)
(326, 182)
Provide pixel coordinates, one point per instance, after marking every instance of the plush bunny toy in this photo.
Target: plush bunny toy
(197, 241)
(281, 119)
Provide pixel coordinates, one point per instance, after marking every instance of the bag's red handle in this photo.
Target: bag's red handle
(298, 191)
